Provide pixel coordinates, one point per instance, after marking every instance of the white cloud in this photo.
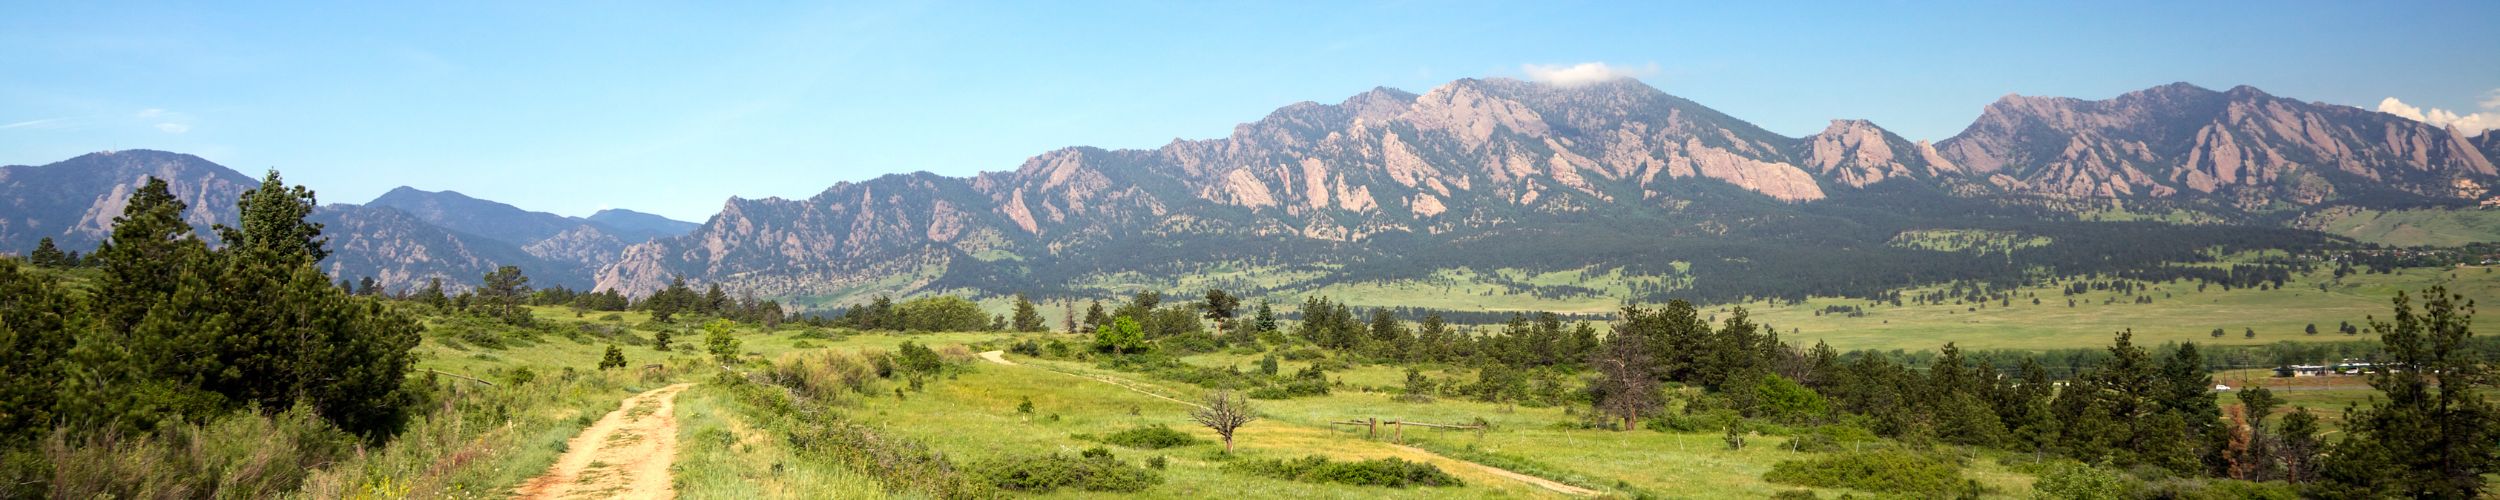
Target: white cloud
(1583, 73)
(151, 112)
(2470, 124)
(173, 128)
(46, 123)
(2491, 100)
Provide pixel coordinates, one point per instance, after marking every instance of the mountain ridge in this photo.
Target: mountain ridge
(1476, 154)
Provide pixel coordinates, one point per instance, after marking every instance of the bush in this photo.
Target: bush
(1390, 472)
(1882, 471)
(1151, 437)
(240, 455)
(823, 375)
(2069, 479)
(1095, 470)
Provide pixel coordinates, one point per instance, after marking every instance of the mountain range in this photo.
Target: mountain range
(1387, 172)
(1389, 186)
(402, 239)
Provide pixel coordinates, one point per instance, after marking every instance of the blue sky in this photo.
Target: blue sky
(673, 107)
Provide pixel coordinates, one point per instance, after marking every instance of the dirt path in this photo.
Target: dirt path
(1548, 484)
(624, 455)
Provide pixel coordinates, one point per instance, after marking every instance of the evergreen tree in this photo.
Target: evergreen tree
(38, 326)
(46, 255)
(1095, 318)
(718, 341)
(2435, 435)
(1432, 338)
(714, 301)
(503, 290)
(432, 294)
(1028, 318)
(1266, 317)
(1220, 308)
(615, 358)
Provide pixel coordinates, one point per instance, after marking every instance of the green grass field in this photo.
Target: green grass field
(2416, 227)
(2178, 313)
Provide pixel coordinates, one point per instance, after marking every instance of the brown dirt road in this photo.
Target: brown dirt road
(626, 454)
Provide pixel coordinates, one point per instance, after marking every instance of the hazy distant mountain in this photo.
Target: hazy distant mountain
(639, 227)
(587, 243)
(1388, 173)
(74, 202)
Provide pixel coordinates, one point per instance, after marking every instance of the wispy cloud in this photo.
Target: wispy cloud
(1584, 73)
(47, 123)
(167, 121)
(2470, 123)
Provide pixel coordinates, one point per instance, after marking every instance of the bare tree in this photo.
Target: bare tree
(1626, 386)
(1224, 412)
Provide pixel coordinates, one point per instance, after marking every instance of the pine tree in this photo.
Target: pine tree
(1220, 308)
(46, 255)
(615, 358)
(1028, 318)
(1095, 318)
(432, 294)
(38, 326)
(503, 290)
(2435, 435)
(1266, 317)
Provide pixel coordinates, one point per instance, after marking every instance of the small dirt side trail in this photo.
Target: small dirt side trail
(626, 454)
(1000, 357)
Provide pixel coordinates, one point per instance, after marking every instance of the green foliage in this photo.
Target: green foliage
(1095, 470)
(238, 455)
(38, 326)
(2436, 435)
(1028, 318)
(940, 313)
(2071, 480)
(915, 359)
(189, 334)
(718, 341)
(1150, 437)
(1879, 471)
(615, 358)
(1391, 472)
(1783, 400)
(504, 290)
(1121, 337)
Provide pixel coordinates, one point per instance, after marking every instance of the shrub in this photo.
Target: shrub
(2069, 479)
(823, 374)
(1151, 437)
(239, 455)
(1390, 472)
(1881, 471)
(1095, 470)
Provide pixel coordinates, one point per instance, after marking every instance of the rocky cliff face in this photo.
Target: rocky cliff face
(2180, 139)
(1474, 155)
(74, 201)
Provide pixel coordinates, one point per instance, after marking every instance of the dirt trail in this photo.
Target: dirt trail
(624, 455)
(1548, 484)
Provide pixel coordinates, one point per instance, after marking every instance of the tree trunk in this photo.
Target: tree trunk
(1627, 422)
(1228, 445)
